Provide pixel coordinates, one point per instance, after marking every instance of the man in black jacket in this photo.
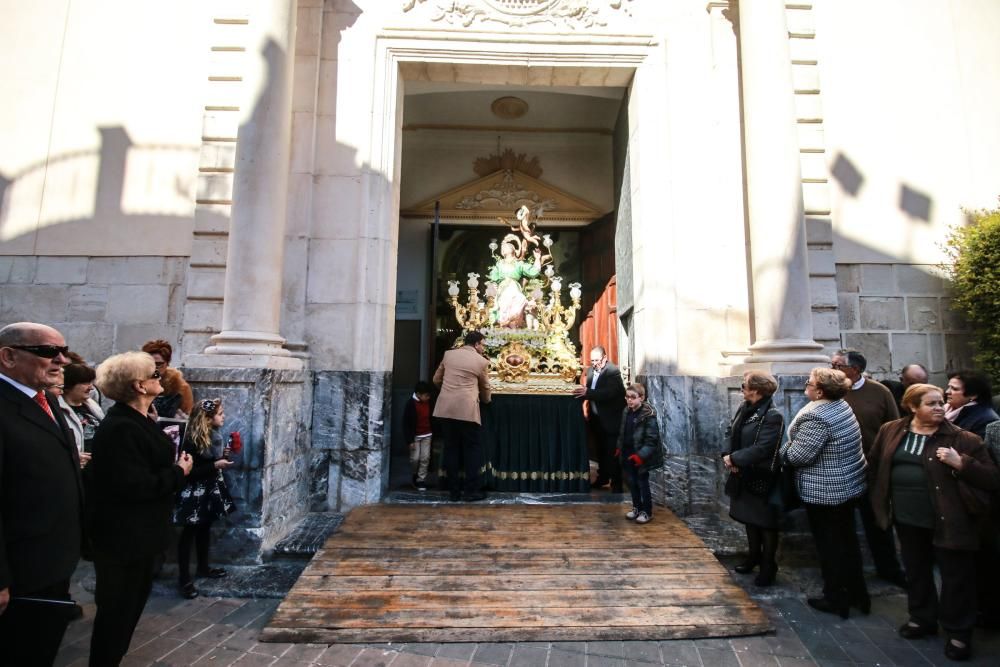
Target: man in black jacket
(606, 393)
(40, 497)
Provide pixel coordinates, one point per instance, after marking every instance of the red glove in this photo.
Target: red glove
(618, 453)
(635, 460)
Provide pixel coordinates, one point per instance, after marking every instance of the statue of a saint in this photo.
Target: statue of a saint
(513, 273)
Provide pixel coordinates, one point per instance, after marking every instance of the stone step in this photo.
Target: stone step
(308, 537)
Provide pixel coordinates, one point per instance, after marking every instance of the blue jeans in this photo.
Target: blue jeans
(638, 485)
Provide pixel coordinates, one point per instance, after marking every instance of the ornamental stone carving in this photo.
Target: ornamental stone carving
(556, 14)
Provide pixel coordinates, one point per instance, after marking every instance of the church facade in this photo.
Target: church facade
(255, 180)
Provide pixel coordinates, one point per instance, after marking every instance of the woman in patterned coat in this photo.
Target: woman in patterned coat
(824, 446)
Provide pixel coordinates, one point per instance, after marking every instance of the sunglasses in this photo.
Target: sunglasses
(44, 351)
(155, 376)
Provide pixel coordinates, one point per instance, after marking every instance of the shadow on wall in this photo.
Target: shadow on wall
(123, 184)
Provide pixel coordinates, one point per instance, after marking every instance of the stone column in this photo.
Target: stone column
(781, 308)
(252, 307)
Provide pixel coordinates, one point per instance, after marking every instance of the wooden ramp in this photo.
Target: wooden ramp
(482, 573)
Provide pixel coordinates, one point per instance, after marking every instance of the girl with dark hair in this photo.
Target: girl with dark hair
(205, 497)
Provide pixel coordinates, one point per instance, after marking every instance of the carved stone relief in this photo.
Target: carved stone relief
(556, 14)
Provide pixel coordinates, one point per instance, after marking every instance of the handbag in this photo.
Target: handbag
(783, 494)
(759, 481)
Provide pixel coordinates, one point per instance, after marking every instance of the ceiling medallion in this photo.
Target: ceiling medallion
(557, 14)
(509, 107)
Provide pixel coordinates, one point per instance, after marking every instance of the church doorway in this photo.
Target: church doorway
(472, 153)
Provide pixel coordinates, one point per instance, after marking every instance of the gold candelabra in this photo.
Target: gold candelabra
(553, 316)
(475, 314)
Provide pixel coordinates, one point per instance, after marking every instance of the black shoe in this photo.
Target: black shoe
(474, 497)
(188, 590)
(420, 486)
(896, 578)
(913, 630)
(211, 573)
(766, 575)
(954, 652)
(746, 567)
(828, 606)
(862, 604)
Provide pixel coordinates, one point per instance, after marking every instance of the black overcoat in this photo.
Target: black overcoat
(752, 443)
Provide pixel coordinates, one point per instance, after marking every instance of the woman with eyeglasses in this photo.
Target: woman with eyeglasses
(205, 497)
(131, 484)
(177, 399)
(754, 435)
(824, 447)
(931, 480)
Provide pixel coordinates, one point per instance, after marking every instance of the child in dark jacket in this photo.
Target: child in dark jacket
(419, 432)
(205, 497)
(640, 450)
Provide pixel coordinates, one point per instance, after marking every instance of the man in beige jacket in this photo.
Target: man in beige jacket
(465, 383)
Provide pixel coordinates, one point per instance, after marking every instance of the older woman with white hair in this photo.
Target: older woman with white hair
(133, 477)
(824, 447)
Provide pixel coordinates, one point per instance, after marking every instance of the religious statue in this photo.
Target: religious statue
(515, 276)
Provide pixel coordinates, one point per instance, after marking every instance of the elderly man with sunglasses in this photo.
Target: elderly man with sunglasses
(41, 497)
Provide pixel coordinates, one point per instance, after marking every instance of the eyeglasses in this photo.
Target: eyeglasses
(840, 367)
(44, 351)
(810, 384)
(155, 376)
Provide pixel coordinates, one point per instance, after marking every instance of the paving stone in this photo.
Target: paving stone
(718, 657)
(572, 647)
(411, 660)
(221, 656)
(523, 656)
(448, 662)
(642, 652)
(185, 655)
(606, 661)
(215, 634)
(826, 650)
(751, 644)
(493, 654)
(679, 652)
(904, 655)
(374, 657)
(753, 659)
(428, 648)
(788, 647)
(607, 649)
(305, 652)
(456, 651)
(288, 662)
(274, 649)
(560, 658)
(252, 660)
(339, 655)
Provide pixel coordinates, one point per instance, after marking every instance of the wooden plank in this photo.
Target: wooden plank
(511, 573)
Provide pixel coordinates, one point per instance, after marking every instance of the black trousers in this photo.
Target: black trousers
(608, 466)
(200, 536)
(463, 451)
(881, 542)
(832, 527)
(122, 590)
(638, 485)
(956, 607)
(30, 630)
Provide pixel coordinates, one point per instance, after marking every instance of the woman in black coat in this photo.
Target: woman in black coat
(132, 481)
(970, 397)
(754, 435)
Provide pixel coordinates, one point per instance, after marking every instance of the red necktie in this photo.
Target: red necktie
(41, 400)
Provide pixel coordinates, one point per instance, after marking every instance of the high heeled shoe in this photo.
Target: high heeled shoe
(766, 575)
(828, 606)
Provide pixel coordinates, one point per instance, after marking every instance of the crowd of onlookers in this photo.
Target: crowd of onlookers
(99, 463)
(928, 479)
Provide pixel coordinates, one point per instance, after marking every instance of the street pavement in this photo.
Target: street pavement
(222, 631)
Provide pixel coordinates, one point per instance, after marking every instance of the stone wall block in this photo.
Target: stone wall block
(811, 136)
(923, 313)
(848, 278)
(206, 283)
(801, 21)
(61, 271)
(126, 271)
(217, 155)
(203, 316)
(304, 87)
(88, 304)
(958, 352)
(951, 318)
(802, 50)
(938, 362)
(805, 78)
(826, 325)
(919, 279)
(209, 251)
(819, 229)
(847, 311)
(212, 218)
(33, 303)
(882, 313)
(133, 336)
(910, 348)
(217, 125)
(226, 63)
(875, 347)
(216, 187)
(809, 107)
(877, 279)
(821, 261)
(19, 270)
(94, 341)
(303, 142)
(816, 198)
(823, 291)
(337, 207)
(138, 304)
(192, 342)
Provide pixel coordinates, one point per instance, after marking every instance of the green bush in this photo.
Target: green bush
(974, 251)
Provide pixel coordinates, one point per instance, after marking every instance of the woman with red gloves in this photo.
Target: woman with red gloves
(640, 450)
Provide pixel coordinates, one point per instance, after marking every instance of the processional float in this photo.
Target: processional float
(522, 316)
